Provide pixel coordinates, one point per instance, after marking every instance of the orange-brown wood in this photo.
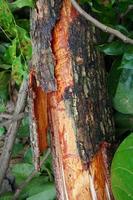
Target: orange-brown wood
(39, 112)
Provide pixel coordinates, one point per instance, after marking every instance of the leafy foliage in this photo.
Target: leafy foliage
(16, 44)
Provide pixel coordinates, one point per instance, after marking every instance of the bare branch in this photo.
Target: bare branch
(11, 133)
(5, 115)
(32, 175)
(101, 26)
(14, 118)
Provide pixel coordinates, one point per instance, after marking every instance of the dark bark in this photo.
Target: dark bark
(79, 111)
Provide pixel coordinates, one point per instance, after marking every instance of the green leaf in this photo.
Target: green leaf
(4, 81)
(18, 70)
(122, 29)
(114, 48)
(128, 55)
(113, 78)
(127, 60)
(123, 98)
(2, 107)
(47, 167)
(127, 64)
(7, 196)
(20, 4)
(48, 193)
(122, 170)
(10, 53)
(24, 128)
(23, 23)
(17, 148)
(5, 66)
(2, 131)
(25, 43)
(37, 185)
(28, 156)
(6, 19)
(21, 171)
(123, 121)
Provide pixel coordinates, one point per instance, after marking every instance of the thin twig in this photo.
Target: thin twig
(32, 175)
(11, 133)
(14, 118)
(101, 26)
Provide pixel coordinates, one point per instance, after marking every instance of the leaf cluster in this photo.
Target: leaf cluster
(15, 44)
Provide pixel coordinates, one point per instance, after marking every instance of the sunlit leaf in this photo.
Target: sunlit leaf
(6, 19)
(20, 4)
(122, 170)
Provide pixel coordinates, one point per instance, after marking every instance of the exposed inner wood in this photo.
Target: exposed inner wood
(39, 112)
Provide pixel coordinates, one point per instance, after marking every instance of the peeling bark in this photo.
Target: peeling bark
(79, 112)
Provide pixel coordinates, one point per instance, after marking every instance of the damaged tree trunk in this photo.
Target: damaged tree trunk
(68, 84)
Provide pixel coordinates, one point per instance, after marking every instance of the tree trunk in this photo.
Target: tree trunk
(71, 76)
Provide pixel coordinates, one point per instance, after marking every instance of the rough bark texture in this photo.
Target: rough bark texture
(79, 111)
